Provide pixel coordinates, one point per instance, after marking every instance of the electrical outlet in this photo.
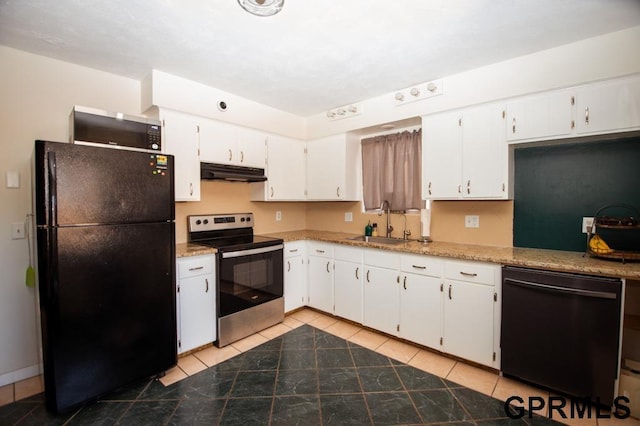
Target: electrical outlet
(472, 221)
(587, 222)
(278, 216)
(17, 231)
(348, 217)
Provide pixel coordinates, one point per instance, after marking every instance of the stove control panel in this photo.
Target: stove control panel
(214, 222)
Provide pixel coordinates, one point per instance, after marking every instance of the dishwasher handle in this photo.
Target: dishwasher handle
(558, 289)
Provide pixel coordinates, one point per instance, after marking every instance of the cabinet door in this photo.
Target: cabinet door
(348, 290)
(546, 116)
(326, 168)
(320, 275)
(468, 321)
(286, 169)
(441, 151)
(420, 310)
(197, 312)
(180, 138)
(295, 283)
(484, 153)
(381, 299)
(609, 107)
(252, 148)
(218, 142)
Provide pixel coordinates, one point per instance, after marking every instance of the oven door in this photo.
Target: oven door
(248, 278)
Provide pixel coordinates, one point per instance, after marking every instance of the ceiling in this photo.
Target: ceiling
(312, 56)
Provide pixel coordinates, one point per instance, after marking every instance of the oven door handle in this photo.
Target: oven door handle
(240, 253)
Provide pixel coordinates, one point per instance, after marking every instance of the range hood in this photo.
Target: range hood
(213, 171)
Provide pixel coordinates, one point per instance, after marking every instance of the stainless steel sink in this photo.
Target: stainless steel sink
(380, 240)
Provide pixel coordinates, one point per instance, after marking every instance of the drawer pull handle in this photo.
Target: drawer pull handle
(196, 268)
(206, 280)
(418, 267)
(468, 274)
(320, 251)
(293, 250)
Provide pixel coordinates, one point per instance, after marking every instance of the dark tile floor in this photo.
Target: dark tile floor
(304, 377)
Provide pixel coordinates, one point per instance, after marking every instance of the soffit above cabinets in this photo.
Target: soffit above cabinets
(311, 57)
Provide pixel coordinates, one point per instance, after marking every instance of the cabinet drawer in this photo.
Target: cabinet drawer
(320, 249)
(294, 248)
(382, 259)
(193, 266)
(422, 265)
(481, 273)
(347, 254)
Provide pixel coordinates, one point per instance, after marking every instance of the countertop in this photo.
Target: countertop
(555, 260)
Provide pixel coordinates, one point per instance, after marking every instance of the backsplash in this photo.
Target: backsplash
(556, 186)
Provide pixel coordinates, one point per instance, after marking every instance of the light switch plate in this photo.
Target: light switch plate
(17, 231)
(278, 216)
(348, 217)
(13, 180)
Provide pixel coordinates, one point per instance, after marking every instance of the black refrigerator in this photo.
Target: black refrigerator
(106, 268)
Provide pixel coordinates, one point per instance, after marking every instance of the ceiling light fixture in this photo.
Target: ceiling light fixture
(262, 7)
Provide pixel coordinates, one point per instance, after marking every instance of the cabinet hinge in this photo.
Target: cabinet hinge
(178, 289)
(495, 297)
(305, 151)
(441, 341)
(163, 123)
(494, 356)
(504, 114)
(197, 128)
(441, 287)
(179, 343)
(460, 122)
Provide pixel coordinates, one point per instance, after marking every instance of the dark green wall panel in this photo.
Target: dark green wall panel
(555, 186)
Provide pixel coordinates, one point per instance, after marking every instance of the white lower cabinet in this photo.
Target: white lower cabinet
(381, 294)
(196, 303)
(471, 311)
(347, 283)
(320, 276)
(295, 277)
(421, 300)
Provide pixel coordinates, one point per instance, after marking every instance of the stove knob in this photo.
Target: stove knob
(248, 218)
(242, 219)
(198, 222)
(206, 221)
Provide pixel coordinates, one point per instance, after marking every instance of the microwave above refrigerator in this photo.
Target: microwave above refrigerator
(89, 126)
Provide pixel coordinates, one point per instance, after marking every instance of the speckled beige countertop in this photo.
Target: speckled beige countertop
(555, 260)
(190, 249)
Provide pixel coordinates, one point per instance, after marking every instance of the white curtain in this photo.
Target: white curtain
(391, 170)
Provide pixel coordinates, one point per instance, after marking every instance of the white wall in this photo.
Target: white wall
(36, 96)
(608, 56)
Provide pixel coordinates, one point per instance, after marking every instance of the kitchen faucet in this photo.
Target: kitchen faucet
(388, 213)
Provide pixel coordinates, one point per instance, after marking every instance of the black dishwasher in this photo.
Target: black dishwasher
(561, 331)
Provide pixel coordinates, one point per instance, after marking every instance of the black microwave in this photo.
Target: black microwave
(90, 126)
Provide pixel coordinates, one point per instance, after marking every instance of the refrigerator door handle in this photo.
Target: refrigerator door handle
(53, 185)
(52, 267)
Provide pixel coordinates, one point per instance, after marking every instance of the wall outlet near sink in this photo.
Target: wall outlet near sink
(348, 216)
(472, 221)
(278, 216)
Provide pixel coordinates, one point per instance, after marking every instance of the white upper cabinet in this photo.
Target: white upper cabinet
(441, 156)
(225, 143)
(542, 116)
(484, 153)
(609, 107)
(180, 139)
(286, 171)
(464, 154)
(333, 169)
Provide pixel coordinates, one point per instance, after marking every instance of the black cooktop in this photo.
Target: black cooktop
(235, 243)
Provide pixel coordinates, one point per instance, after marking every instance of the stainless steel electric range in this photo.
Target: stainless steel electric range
(249, 271)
